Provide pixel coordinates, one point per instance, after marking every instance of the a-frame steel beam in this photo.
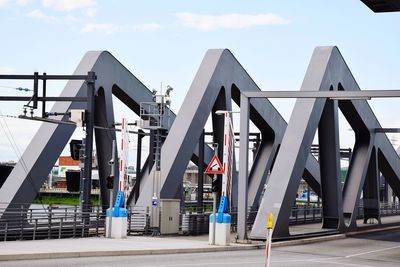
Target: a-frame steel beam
(326, 70)
(113, 78)
(218, 71)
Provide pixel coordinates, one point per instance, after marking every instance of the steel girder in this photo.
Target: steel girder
(372, 152)
(383, 5)
(219, 79)
(27, 177)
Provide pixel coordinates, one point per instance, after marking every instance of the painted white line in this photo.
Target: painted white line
(329, 260)
(341, 263)
(369, 252)
(305, 260)
(242, 263)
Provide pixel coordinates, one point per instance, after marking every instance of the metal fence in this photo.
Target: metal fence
(305, 214)
(386, 209)
(51, 222)
(194, 223)
(20, 223)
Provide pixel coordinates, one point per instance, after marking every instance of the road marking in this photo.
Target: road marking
(369, 252)
(323, 260)
(328, 260)
(296, 260)
(341, 263)
(208, 264)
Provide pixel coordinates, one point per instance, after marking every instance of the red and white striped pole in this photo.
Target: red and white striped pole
(123, 163)
(269, 240)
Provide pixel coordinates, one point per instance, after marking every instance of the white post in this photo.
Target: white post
(268, 241)
(111, 210)
(113, 159)
(214, 215)
(123, 172)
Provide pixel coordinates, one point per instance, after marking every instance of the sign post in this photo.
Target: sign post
(214, 215)
(221, 221)
(214, 167)
(117, 215)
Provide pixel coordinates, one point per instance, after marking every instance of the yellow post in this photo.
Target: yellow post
(270, 220)
(269, 239)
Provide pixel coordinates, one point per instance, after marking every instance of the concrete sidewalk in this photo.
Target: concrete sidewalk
(98, 246)
(133, 245)
(140, 245)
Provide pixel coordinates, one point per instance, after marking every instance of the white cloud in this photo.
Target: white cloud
(23, 2)
(101, 27)
(228, 21)
(147, 27)
(4, 3)
(72, 19)
(37, 14)
(90, 12)
(6, 70)
(68, 5)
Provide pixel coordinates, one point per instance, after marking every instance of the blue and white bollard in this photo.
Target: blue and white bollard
(119, 220)
(223, 224)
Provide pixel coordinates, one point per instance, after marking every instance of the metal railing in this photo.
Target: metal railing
(54, 222)
(194, 223)
(50, 222)
(138, 220)
(386, 209)
(305, 214)
(94, 191)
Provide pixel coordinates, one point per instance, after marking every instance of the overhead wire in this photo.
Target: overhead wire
(17, 152)
(17, 88)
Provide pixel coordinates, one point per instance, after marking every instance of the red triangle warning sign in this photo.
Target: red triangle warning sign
(215, 166)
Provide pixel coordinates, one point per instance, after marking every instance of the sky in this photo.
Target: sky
(165, 41)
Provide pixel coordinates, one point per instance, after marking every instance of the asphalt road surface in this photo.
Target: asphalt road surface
(378, 249)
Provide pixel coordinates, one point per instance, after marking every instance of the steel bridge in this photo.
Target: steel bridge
(283, 156)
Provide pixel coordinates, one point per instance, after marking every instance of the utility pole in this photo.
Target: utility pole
(155, 116)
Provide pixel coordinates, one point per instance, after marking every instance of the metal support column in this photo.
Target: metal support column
(200, 174)
(138, 164)
(35, 90)
(89, 119)
(44, 95)
(329, 161)
(371, 190)
(151, 149)
(243, 168)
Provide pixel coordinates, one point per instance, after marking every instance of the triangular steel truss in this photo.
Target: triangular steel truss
(219, 80)
(373, 153)
(24, 182)
(284, 150)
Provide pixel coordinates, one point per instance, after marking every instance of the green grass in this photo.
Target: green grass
(65, 200)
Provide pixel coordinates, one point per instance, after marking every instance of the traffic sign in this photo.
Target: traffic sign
(215, 166)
